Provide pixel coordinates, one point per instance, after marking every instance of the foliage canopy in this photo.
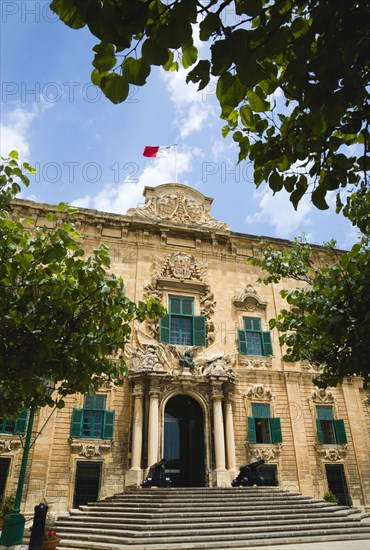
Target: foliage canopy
(63, 317)
(292, 76)
(327, 321)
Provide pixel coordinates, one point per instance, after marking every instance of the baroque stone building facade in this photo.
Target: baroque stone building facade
(207, 388)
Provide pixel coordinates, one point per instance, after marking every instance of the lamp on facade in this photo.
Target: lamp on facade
(13, 529)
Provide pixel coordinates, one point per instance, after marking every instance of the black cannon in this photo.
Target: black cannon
(248, 475)
(157, 476)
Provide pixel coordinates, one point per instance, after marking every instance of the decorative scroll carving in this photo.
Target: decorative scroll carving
(249, 300)
(259, 392)
(311, 367)
(333, 454)
(170, 361)
(177, 204)
(255, 363)
(267, 453)
(91, 450)
(8, 445)
(320, 395)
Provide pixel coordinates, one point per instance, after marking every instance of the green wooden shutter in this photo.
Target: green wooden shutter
(324, 412)
(76, 423)
(242, 342)
(199, 335)
(108, 426)
(276, 433)
(261, 410)
(340, 432)
(319, 432)
(21, 423)
(164, 330)
(252, 438)
(266, 343)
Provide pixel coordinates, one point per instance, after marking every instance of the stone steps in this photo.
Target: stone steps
(206, 518)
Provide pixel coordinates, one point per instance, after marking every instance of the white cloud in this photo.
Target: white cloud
(15, 128)
(224, 151)
(128, 194)
(14, 132)
(278, 212)
(194, 110)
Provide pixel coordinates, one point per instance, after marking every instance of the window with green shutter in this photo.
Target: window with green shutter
(17, 426)
(93, 421)
(261, 427)
(181, 326)
(329, 431)
(252, 339)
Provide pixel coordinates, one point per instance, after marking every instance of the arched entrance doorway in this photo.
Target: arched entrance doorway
(183, 447)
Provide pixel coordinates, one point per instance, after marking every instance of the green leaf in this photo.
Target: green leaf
(189, 55)
(154, 53)
(276, 182)
(115, 87)
(247, 116)
(257, 100)
(210, 24)
(30, 169)
(105, 58)
(69, 13)
(230, 92)
(249, 7)
(14, 154)
(200, 73)
(135, 71)
(318, 198)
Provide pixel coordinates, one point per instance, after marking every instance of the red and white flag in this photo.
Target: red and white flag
(157, 151)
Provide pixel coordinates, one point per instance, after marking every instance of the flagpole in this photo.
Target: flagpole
(175, 148)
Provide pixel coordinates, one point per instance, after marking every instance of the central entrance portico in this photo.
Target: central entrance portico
(183, 441)
(184, 415)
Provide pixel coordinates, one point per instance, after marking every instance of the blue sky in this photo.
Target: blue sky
(88, 151)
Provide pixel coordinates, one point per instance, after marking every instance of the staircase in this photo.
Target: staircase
(211, 518)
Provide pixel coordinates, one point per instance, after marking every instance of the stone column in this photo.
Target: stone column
(222, 475)
(153, 427)
(135, 474)
(229, 436)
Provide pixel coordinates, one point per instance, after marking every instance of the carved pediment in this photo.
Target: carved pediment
(177, 204)
(259, 392)
(249, 300)
(333, 454)
(267, 452)
(322, 396)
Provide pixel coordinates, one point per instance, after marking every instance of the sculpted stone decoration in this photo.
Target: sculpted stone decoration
(261, 364)
(311, 367)
(249, 300)
(184, 268)
(169, 360)
(334, 454)
(265, 453)
(91, 450)
(220, 366)
(8, 445)
(180, 266)
(177, 204)
(259, 392)
(322, 396)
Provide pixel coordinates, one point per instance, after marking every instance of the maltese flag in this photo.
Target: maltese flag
(157, 151)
